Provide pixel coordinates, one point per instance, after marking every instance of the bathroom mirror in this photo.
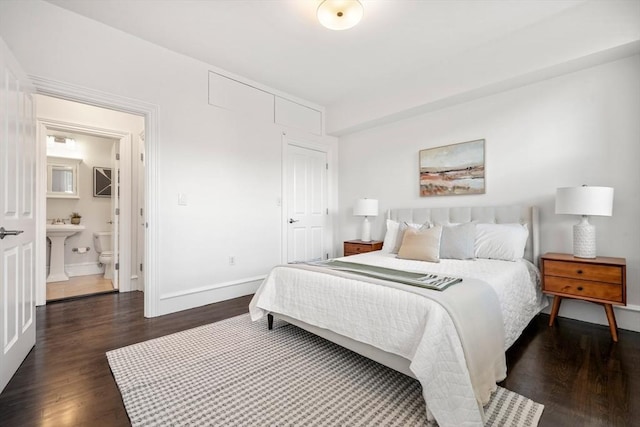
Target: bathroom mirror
(62, 177)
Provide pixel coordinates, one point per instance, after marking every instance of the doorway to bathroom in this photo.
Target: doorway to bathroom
(93, 179)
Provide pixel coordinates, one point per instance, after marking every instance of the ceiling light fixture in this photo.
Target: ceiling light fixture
(340, 14)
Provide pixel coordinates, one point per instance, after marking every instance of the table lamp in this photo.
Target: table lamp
(366, 208)
(584, 201)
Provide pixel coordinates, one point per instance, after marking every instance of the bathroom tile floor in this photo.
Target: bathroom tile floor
(78, 286)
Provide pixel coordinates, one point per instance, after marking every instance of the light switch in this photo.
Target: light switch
(182, 199)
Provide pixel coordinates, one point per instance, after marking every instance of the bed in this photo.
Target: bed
(452, 341)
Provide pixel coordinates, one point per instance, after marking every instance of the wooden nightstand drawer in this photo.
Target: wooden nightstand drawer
(355, 247)
(584, 289)
(358, 248)
(583, 271)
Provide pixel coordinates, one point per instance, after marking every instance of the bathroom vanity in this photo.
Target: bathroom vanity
(58, 233)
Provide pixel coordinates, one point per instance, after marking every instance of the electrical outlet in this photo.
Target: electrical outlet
(232, 260)
(182, 199)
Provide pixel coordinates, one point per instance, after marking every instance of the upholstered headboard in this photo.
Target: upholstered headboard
(486, 214)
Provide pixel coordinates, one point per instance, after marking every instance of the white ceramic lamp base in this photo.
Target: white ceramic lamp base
(584, 239)
(366, 230)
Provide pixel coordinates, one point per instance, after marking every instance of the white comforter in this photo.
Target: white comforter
(515, 283)
(417, 329)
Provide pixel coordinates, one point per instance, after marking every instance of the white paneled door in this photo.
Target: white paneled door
(17, 225)
(306, 204)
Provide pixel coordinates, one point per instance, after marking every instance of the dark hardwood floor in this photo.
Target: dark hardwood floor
(581, 376)
(574, 369)
(66, 380)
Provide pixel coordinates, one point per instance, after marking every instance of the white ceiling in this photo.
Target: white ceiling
(280, 43)
(406, 57)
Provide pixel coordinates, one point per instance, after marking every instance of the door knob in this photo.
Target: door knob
(4, 232)
(291, 220)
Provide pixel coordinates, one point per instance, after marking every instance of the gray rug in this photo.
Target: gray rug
(237, 373)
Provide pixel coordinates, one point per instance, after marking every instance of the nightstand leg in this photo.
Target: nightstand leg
(554, 309)
(611, 317)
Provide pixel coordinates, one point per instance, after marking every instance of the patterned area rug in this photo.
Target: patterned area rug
(237, 373)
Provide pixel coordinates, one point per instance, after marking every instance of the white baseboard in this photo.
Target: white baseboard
(82, 269)
(184, 300)
(627, 317)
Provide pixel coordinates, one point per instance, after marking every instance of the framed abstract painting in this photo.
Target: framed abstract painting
(101, 182)
(452, 169)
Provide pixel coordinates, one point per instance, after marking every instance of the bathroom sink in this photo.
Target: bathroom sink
(58, 233)
(63, 230)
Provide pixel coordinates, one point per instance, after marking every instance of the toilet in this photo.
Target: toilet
(102, 243)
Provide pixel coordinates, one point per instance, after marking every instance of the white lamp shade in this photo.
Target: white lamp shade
(340, 14)
(366, 207)
(584, 201)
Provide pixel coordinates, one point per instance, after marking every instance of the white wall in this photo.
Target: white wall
(580, 128)
(95, 211)
(228, 167)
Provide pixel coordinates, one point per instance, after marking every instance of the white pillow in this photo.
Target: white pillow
(501, 241)
(390, 236)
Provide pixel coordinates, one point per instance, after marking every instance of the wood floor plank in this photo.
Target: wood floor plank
(573, 368)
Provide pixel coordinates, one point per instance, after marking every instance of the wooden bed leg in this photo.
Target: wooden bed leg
(270, 321)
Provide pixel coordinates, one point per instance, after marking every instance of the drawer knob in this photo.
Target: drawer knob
(580, 288)
(579, 271)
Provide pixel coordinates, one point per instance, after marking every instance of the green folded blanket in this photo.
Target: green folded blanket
(422, 280)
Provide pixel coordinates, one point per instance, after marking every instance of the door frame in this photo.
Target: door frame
(150, 112)
(138, 217)
(45, 125)
(332, 203)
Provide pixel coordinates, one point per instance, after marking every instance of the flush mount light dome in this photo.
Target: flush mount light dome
(340, 14)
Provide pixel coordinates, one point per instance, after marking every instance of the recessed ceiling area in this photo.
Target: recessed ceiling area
(402, 52)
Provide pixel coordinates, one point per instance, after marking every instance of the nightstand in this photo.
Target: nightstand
(355, 247)
(601, 280)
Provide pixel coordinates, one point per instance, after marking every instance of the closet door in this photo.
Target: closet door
(307, 204)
